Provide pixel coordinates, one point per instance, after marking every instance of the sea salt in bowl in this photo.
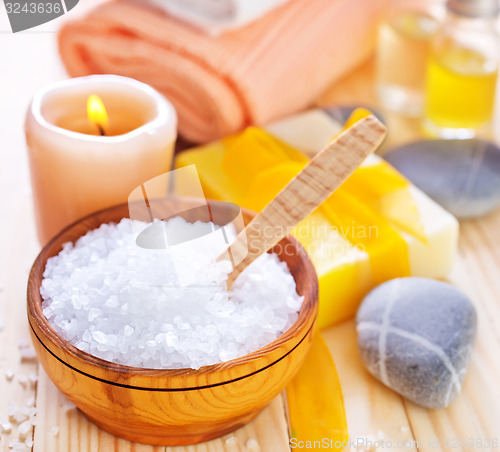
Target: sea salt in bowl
(175, 406)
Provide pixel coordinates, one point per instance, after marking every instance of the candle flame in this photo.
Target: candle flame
(97, 112)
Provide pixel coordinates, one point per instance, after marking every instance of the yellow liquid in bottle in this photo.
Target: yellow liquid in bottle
(460, 93)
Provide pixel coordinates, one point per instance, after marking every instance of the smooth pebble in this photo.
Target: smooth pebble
(415, 335)
(341, 113)
(461, 175)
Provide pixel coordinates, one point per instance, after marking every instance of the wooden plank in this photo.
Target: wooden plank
(476, 412)
(373, 411)
(481, 260)
(62, 427)
(18, 248)
(18, 243)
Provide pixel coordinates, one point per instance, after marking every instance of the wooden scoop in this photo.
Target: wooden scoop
(305, 192)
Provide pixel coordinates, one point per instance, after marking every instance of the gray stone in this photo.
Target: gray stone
(341, 113)
(415, 335)
(461, 175)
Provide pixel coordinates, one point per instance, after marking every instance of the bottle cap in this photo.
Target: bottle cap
(474, 8)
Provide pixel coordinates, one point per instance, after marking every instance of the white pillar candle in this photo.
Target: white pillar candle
(74, 170)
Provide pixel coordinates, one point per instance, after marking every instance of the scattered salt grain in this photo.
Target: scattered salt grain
(26, 350)
(32, 412)
(23, 380)
(24, 429)
(33, 378)
(18, 416)
(126, 304)
(5, 427)
(252, 445)
(9, 374)
(29, 443)
(16, 445)
(231, 440)
(12, 410)
(370, 443)
(67, 406)
(55, 431)
(28, 354)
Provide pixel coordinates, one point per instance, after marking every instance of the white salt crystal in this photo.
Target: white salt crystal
(5, 427)
(67, 406)
(99, 337)
(128, 331)
(231, 440)
(23, 380)
(29, 443)
(33, 378)
(55, 431)
(24, 428)
(252, 445)
(123, 303)
(112, 302)
(28, 354)
(17, 416)
(12, 409)
(9, 374)
(94, 314)
(16, 445)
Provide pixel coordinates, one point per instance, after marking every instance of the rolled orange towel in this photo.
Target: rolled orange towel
(268, 69)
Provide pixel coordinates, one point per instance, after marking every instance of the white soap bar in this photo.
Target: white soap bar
(308, 131)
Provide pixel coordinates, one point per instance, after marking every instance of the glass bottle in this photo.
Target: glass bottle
(462, 71)
(403, 45)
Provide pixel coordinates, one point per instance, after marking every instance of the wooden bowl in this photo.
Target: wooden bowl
(181, 406)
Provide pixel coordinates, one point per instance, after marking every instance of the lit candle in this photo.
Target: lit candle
(97, 113)
(91, 141)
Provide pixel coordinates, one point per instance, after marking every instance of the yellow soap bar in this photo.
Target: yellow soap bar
(375, 227)
(315, 402)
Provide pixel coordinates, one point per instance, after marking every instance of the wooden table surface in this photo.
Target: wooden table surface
(28, 61)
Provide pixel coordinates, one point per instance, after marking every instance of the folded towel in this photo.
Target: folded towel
(268, 69)
(217, 16)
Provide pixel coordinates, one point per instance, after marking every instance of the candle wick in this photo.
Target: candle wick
(101, 130)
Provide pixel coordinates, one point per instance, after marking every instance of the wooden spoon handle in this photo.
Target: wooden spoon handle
(305, 192)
